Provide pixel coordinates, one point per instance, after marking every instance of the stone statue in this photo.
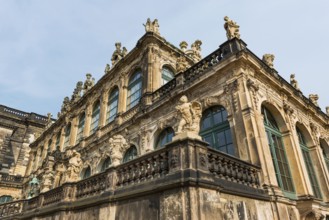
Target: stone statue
(118, 54)
(183, 46)
(65, 106)
(34, 187)
(327, 110)
(314, 99)
(47, 181)
(181, 64)
(89, 82)
(294, 82)
(232, 29)
(190, 115)
(268, 59)
(77, 92)
(74, 165)
(49, 121)
(107, 68)
(118, 146)
(196, 48)
(152, 26)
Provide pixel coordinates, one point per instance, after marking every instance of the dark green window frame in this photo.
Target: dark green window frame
(5, 198)
(166, 75)
(309, 165)
(86, 173)
(215, 129)
(278, 153)
(325, 155)
(130, 154)
(67, 135)
(81, 126)
(95, 117)
(112, 105)
(165, 137)
(134, 90)
(58, 139)
(106, 164)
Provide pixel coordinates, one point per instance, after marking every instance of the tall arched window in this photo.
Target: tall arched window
(67, 135)
(165, 137)
(86, 173)
(106, 164)
(325, 151)
(130, 154)
(215, 129)
(166, 75)
(134, 89)
(81, 126)
(309, 164)
(58, 139)
(112, 105)
(49, 145)
(95, 118)
(4, 199)
(278, 153)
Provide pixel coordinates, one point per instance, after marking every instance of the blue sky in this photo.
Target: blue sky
(49, 45)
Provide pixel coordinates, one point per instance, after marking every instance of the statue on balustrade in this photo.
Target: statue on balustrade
(190, 115)
(34, 188)
(314, 99)
(232, 29)
(77, 92)
(89, 82)
(118, 146)
(294, 82)
(268, 59)
(65, 106)
(118, 54)
(74, 166)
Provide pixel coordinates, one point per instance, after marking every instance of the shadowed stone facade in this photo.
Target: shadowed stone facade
(167, 134)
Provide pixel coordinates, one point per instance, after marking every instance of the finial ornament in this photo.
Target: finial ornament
(268, 59)
(183, 46)
(194, 52)
(118, 54)
(294, 82)
(314, 99)
(232, 29)
(152, 26)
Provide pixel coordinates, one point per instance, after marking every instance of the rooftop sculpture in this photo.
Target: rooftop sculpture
(232, 29)
(118, 54)
(152, 26)
(89, 82)
(294, 82)
(268, 59)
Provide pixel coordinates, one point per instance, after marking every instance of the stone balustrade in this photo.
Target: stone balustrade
(10, 179)
(164, 90)
(180, 162)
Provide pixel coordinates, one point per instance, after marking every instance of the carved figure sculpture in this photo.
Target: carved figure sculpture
(107, 68)
(89, 82)
(65, 106)
(181, 64)
(190, 113)
(73, 170)
(118, 54)
(268, 59)
(314, 99)
(152, 26)
(47, 181)
(34, 187)
(118, 145)
(77, 92)
(294, 82)
(232, 29)
(183, 46)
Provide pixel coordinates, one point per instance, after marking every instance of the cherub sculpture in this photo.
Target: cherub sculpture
(190, 113)
(232, 29)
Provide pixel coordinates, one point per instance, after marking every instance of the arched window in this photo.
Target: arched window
(81, 126)
(215, 129)
(134, 90)
(166, 74)
(67, 135)
(112, 105)
(4, 199)
(130, 154)
(106, 164)
(165, 137)
(95, 118)
(309, 164)
(325, 151)
(278, 153)
(86, 173)
(49, 145)
(58, 138)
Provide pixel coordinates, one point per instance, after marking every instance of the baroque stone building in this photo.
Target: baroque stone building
(167, 134)
(17, 130)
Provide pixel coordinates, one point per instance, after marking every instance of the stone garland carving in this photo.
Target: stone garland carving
(314, 99)
(268, 59)
(294, 82)
(152, 26)
(89, 82)
(232, 29)
(118, 54)
(190, 113)
(74, 165)
(118, 146)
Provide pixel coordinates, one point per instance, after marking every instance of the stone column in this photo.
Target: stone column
(37, 158)
(87, 120)
(74, 130)
(62, 138)
(30, 164)
(103, 109)
(122, 102)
